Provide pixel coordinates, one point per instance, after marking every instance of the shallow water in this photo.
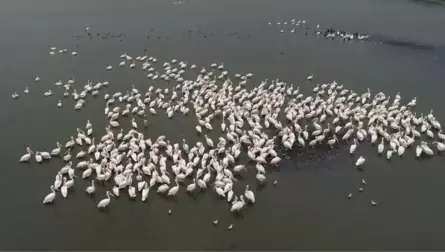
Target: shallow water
(307, 210)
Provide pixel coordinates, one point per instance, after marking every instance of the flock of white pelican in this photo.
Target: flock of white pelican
(261, 121)
(292, 25)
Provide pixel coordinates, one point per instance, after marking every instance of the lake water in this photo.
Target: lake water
(308, 209)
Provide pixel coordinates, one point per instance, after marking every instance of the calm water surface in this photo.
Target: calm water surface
(308, 209)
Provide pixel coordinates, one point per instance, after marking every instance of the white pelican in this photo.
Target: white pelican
(163, 188)
(381, 146)
(360, 161)
(353, 147)
(27, 156)
(50, 197)
(104, 203)
(70, 143)
(192, 186)
(427, 149)
(174, 190)
(91, 189)
(145, 192)
(440, 146)
(249, 194)
(275, 160)
(116, 191)
(45, 155)
(132, 191)
(38, 157)
(238, 205)
(419, 151)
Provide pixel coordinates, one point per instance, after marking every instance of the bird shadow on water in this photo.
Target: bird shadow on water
(104, 210)
(167, 198)
(193, 195)
(131, 199)
(261, 187)
(301, 158)
(239, 215)
(239, 177)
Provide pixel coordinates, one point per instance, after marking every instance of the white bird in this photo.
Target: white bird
(50, 197)
(209, 141)
(104, 203)
(133, 123)
(381, 146)
(145, 192)
(192, 186)
(360, 161)
(174, 190)
(238, 205)
(440, 146)
(132, 191)
(275, 160)
(91, 189)
(427, 149)
(45, 155)
(64, 189)
(27, 156)
(260, 177)
(419, 151)
(353, 147)
(249, 194)
(163, 188)
(38, 157)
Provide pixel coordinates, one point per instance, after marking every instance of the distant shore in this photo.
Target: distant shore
(432, 1)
